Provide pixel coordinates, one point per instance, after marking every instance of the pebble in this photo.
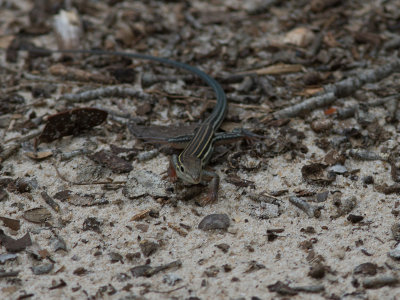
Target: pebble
(215, 221)
(42, 269)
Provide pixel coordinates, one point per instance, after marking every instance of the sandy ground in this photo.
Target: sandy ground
(96, 247)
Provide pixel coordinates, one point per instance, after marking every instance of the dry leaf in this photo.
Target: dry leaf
(37, 215)
(278, 69)
(39, 155)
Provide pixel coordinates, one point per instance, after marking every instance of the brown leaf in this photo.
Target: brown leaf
(86, 200)
(239, 182)
(54, 205)
(63, 195)
(388, 189)
(112, 161)
(12, 245)
(71, 122)
(77, 74)
(39, 155)
(278, 69)
(316, 173)
(11, 223)
(37, 215)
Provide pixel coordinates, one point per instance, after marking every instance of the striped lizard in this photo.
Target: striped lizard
(197, 148)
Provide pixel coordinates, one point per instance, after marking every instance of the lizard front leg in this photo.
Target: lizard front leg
(212, 195)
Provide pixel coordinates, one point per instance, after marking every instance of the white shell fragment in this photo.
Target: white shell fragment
(68, 29)
(300, 36)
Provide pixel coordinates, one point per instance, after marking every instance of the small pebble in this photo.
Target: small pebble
(171, 279)
(59, 243)
(378, 282)
(321, 125)
(369, 269)
(396, 231)
(115, 257)
(395, 253)
(215, 221)
(148, 248)
(42, 269)
(223, 247)
(321, 197)
(338, 169)
(317, 271)
(368, 179)
(140, 270)
(354, 218)
(7, 256)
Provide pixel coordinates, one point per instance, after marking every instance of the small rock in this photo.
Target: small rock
(171, 279)
(378, 282)
(354, 218)
(142, 227)
(395, 253)
(317, 271)
(321, 125)
(396, 231)
(345, 206)
(338, 169)
(321, 197)
(80, 271)
(366, 269)
(368, 179)
(59, 243)
(139, 271)
(211, 271)
(133, 257)
(92, 224)
(300, 36)
(23, 185)
(215, 221)
(223, 247)
(115, 257)
(148, 247)
(7, 256)
(42, 269)
(282, 289)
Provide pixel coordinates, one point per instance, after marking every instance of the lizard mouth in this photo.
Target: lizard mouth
(193, 180)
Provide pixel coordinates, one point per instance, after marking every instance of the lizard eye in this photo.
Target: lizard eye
(182, 169)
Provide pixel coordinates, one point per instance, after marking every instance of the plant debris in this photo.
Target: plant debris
(37, 215)
(11, 223)
(71, 122)
(13, 245)
(112, 161)
(313, 87)
(148, 271)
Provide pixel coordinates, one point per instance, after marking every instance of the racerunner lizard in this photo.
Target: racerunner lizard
(197, 148)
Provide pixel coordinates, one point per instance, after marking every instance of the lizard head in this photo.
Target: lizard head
(188, 168)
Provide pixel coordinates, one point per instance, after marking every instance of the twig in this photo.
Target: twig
(341, 89)
(25, 138)
(9, 274)
(310, 210)
(192, 99)
(110, 91)
(362, 154)
(167, 292)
